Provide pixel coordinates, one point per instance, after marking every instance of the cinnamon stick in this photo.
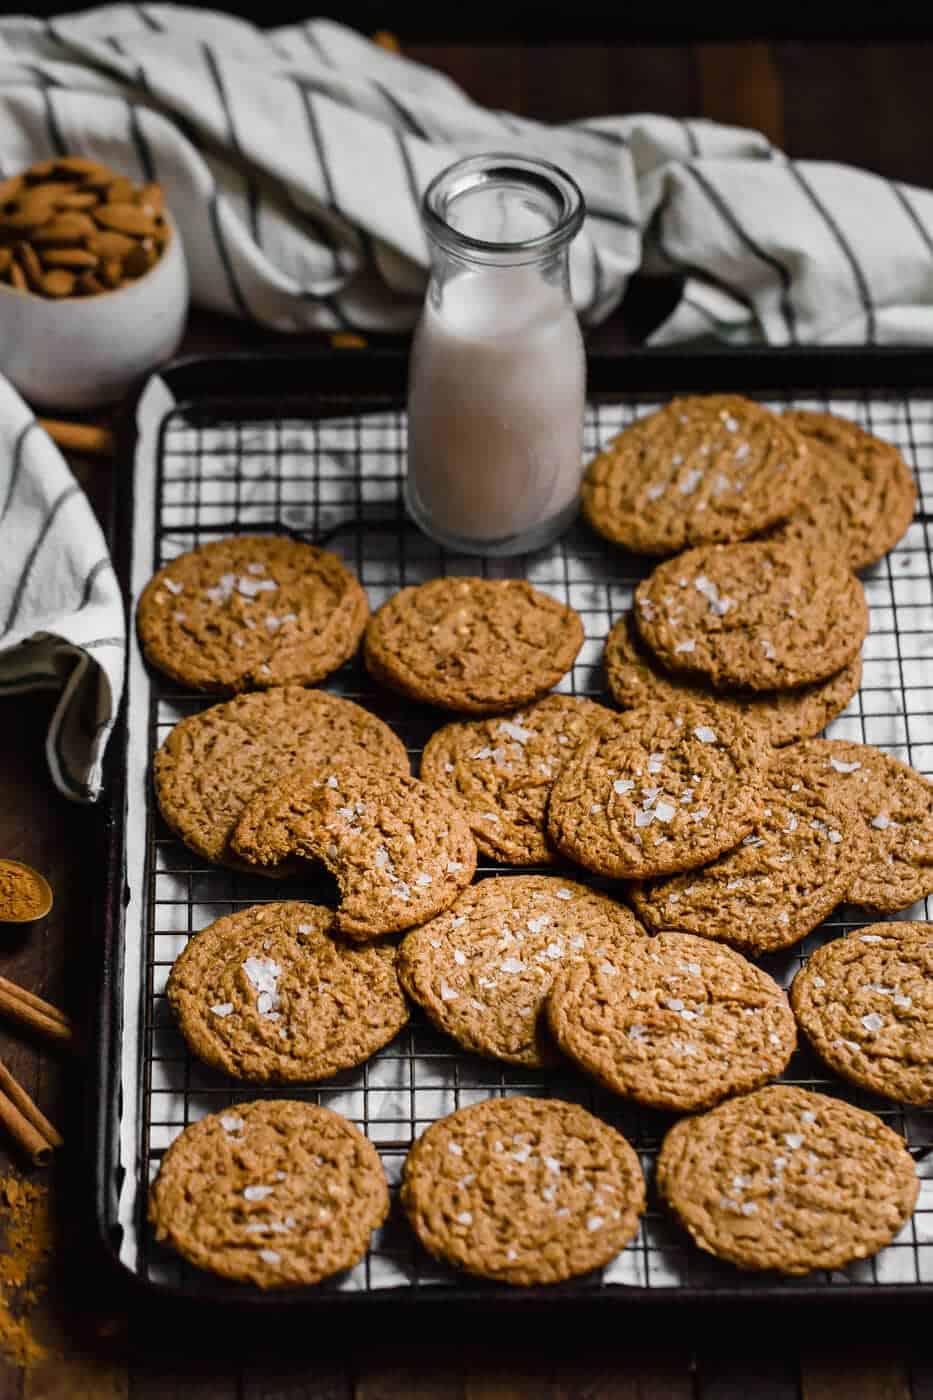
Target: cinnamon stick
(28, 1138)
(79, 437)
(24, 1104)
(31, 1011)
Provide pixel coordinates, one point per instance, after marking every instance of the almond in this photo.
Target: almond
(110, 245)
(119, 191)
(88, 285)
(17, 276)
(65, 230)
(150, 199)
(58, 283)
(110, 272)
(28, 260)
(78, 200)
(125, 218)
(137, 261)
(68, 257)
(6, 257)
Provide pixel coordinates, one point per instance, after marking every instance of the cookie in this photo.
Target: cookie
(860, 492)
(673, 1022)
(659, 789)
(788, 1180)
(500, 772)
(250, 612)
(522, 1190)
(483, 969)
(787, 875)
(275, 1193)
(472, 644)
(400, 851)
(894, 805)
(865, 1003)
(271, 992)
(700, 470)
(761, 616)
(213, 763)
(635, 677)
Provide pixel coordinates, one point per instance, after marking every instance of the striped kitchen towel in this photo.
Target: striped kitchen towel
(294, 159)
(61, 612)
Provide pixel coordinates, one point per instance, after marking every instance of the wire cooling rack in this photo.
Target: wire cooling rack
(213, 468)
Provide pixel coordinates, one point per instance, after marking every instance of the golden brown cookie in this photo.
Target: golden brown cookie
(401, 852)
(500, 772)
(213, 763)
(635, 677)
(250, 612)
(271, 992)
(894, 805)
(483, 969)
(522, 1190)
(761, 615)
(788, 1180)
(865, 1003)
(472, 644)
(786, 876)
(860, 492)
(704, 469)
(673, 1021)
(659, 789)
(275, 1193)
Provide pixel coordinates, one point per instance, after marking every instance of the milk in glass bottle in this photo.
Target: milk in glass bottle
(497, 375)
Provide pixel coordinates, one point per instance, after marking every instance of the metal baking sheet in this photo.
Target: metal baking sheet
(234, 453)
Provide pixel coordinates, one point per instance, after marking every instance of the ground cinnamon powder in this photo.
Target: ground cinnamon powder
(21, 895)
(26, 1230)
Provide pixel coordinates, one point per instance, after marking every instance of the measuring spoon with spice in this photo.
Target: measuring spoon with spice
(25, 895)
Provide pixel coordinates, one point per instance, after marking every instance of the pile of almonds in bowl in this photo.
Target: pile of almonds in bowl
(72, 227)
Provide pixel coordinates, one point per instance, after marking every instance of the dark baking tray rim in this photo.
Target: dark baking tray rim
(254, 382)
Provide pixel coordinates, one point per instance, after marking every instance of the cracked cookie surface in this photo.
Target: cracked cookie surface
(274, 1193)
(635, 677)
(673, 1021)
(212, 763)
(400, 852)
(523, 1190)
(865, 1003)
(500, 772)
(760, 615)
(472, 644)
(663, 788)
(788, 1180)
(702, 469)
(784, 878)
(250, 612)
(271, 992)
(483, 969)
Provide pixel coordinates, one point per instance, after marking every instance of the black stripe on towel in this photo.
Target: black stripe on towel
(613, 137)
(18, 454)
(921, 228)
(94, 574)
(56, 138)
(730, 218)
(411, 123)
(61, 500)
(409, 175)
(845, 247)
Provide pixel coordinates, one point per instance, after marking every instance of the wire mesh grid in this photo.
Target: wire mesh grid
(336, 480)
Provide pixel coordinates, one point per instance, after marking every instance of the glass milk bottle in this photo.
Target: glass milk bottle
(498, 375)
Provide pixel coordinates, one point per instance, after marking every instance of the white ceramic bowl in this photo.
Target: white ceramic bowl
(79, 352)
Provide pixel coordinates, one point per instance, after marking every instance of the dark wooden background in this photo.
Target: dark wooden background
(867, 102)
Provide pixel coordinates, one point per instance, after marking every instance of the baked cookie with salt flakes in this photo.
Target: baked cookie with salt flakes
(214, 762)
(635, 677)
(663, 788)
(483, 969)
(276, 1193)
(760, 615)
(700, 470)
(472, 644)
(674, 1022)
(788, 1180)
(782, 880)
(894, 806)
(865, 1003)
(250, 612)
(400, 851)
(525, 1191)
(272, 992)
(500, 772)
(860, 492)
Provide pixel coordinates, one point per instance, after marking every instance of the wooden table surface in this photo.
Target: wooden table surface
(830, 100)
